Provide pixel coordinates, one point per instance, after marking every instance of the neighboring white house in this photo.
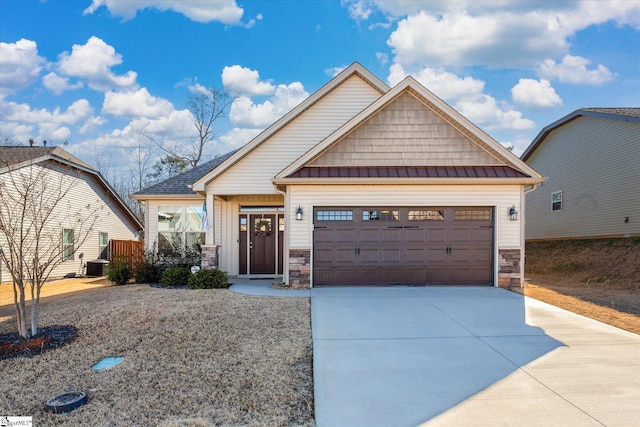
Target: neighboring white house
(592, 159)
(86, 186)
(360, 184)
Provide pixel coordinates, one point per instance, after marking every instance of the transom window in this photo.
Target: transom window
(380, 215)
(426, 215)
(334, 215)
(472, 215)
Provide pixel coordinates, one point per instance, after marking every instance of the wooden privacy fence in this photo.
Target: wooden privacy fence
(130, 250)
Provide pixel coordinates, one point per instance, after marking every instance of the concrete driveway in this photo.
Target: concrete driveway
(408, 356)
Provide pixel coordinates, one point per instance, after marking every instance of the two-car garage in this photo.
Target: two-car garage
(403, 246)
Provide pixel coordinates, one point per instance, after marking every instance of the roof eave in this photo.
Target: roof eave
(411, 85)
(353, 69)
(566, 119)
(141, 197)
(409, 181)
(86, 169)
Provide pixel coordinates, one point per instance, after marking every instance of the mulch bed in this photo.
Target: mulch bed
(49, 337)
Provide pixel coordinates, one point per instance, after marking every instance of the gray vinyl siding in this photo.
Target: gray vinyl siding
(595, 163)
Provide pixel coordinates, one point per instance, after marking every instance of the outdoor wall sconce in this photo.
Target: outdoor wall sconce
(513, 213)
(299, 213)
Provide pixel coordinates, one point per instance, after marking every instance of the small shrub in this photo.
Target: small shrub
(149, 270)
(208, 279)
(175, 276)
(119, 272)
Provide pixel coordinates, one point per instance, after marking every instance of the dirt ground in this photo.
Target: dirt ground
(595, 278)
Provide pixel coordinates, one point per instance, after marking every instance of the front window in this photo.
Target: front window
(180, 229)
(67, 244)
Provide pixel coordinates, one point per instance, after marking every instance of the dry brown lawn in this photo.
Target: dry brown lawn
(191, 358)
(595, 278)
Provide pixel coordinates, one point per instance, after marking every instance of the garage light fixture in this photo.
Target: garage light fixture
(299, 213)
(513, 213)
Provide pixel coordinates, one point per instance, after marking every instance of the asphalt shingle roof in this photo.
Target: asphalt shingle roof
(629, 112)
(12, 155)
(179, 184)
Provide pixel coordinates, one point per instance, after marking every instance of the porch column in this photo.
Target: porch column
(210, 231)
(210, 251)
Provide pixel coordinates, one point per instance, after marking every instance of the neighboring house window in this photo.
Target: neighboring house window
(180, 229)
(67, 244)
(104, 245)
(556, 201)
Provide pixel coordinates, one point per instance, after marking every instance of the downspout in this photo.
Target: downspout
(522, 231)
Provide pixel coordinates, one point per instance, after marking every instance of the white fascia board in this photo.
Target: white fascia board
(410, 84)
(353, 69)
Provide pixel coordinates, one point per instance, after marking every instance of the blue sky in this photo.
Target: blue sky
(102, 74)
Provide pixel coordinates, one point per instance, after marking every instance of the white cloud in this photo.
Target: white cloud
(21, 121)
(535, 93)
(176, 126)
(485, 112)
(20, 65)
(465, 95)
(246, 114)
(92, 123)
(573, 69)
(225, 11)
(382, 58)
(241, 81)
(506, 33)
(58, 84)
(360, 10)
(93, 61)
(334, 71)
(444, 84)
(460, 39)
(237, 137)
(135, 104)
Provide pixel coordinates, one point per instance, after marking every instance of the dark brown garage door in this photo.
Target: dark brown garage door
(409, 246)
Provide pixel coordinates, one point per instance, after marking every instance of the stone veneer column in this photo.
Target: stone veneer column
(209, 257)
(509, 267)
(300, 268)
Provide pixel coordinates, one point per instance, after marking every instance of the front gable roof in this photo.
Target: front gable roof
(415, 150)
(354, 69)
(622, 114)
(16, 157)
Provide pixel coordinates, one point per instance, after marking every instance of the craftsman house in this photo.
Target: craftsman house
(360, 184)
(591, 157)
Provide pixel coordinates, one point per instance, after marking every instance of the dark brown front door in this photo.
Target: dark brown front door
(385, 246)
(263, 232)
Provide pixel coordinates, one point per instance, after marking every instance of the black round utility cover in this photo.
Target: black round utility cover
(66, 402)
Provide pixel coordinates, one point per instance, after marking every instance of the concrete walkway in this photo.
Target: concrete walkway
(263, 287)
(404, 356)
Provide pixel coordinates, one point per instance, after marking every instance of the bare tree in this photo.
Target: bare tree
(206, 106)
(35, 211)
(134, 178)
